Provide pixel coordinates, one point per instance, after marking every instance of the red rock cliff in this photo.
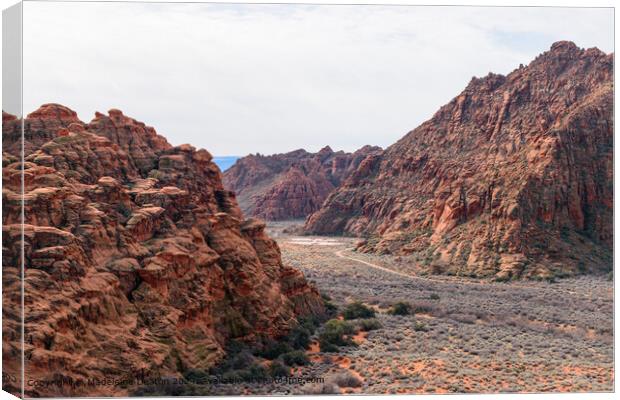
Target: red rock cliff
(512, 178)
(290, 185)
(135, 255)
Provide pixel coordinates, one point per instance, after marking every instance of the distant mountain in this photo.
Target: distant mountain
(513, 177)
(225, 162)
(290, 185)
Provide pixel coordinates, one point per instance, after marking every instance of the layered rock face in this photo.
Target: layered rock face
(291, 185)
(136, 257)
(512, 178)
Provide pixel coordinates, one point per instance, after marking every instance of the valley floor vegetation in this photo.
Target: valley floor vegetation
(387, 334)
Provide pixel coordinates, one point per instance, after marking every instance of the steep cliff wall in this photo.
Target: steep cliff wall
(513, 177)
(136, 257)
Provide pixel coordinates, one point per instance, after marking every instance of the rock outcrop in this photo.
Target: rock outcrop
(291, 185)
(137, 260)
(512, 178)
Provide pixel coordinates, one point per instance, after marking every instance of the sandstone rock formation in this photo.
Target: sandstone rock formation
(136, 257)
(512, 178)
(291, 185)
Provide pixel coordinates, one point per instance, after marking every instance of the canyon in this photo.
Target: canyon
(141, 257)
(291, 185)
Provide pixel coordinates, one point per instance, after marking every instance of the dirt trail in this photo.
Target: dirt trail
(445, 281)
(339, 254)
(484, 283)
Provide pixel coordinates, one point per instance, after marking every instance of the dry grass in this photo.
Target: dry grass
(462, 336)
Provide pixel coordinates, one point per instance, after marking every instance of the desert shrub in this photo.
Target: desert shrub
(333, 335)
(326, 346)
(339, 327)
(235, 346)
(331, 310)
(400, 308)
(369, 324)
(236, 359)
(276, 369)
(239, 367)
(299, 338)
(347, 379)
(420, 326)
(358, 310)
(296, 357)
(254, 373)
(272, 349)
(241, 360)
(310, 322)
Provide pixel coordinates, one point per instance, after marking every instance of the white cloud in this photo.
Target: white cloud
(271, 78)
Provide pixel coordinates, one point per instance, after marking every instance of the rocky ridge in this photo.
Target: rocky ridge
(290, 185)
(512, 178)
(136, 257)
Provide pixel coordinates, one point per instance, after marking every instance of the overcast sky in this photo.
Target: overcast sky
(239, 79)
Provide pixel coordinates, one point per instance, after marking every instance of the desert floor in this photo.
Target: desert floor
(472, 336)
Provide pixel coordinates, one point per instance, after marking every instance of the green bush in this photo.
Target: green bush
(236, 359)
(241, 360)
(310, 322)
(339, 327)
(255, 373)
(299, 338)
(333, 335)
(330, 309)
(369, 324)
(326, 346)
(276, 369)
(400, 308)
(434, 296)
(235, 346)
(272, 349)
(358, 310)
(296, 357)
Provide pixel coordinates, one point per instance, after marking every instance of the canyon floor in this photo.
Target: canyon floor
(466, 336)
